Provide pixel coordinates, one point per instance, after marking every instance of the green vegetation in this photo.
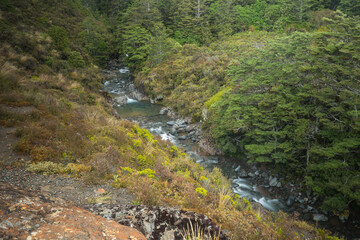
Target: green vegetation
(287, 97)
(303, 117)
(275, 81)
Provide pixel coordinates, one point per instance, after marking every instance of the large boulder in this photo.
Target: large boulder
(273, 182)
(36, 215)
(320, 217)
(120, 100)
(163, 111)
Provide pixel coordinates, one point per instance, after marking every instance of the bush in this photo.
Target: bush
(8, 77)
(59, 37)
(76, 60)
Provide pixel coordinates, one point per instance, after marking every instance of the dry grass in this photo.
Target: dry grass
(197, 233)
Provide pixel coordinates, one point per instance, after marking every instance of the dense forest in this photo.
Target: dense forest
(273, 82)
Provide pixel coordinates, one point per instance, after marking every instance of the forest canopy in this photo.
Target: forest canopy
(275, 82)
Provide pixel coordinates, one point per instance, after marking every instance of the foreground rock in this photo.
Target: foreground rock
(158, 223)
(33, 215)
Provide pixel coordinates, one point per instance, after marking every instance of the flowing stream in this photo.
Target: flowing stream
(146, 114)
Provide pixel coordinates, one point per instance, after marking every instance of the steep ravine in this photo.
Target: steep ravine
(255, 184)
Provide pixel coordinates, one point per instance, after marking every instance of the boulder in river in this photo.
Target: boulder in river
(173, 131)
(273, 182)
(243, 173)
(189, 128)
(139, 96)
(250, 174)
(318, 217)
(181, 130)
(163, 111)
(121, 100)
(290, 201)
(183, 137)
(171, 123)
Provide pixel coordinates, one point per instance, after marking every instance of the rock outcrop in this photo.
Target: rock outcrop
(158, 223)
(35, 215)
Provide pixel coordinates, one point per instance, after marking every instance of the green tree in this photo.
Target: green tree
(59, 37)
(295, 104)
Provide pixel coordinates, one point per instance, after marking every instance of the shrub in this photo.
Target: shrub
(201, 191)
(8, 77)
(47, 168)
(76, 60)
(59, 37)
(147, 172)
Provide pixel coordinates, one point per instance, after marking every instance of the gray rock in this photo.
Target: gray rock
(237, 169)
(163, 111)
(119, 215)
(278, 184)
(183, 137)
(181, 130)
(193, 139)
(180, 122)
(264, 175)
(121, 100)
(138, 96)
(319, 217)
(257, 173)
(290, 201)
(171, 123)
(173, 131)
(106, 213)
(131, 87)
(343, 219)
(168, 235)
(243, 173)
(189, 128)
(170, 222)
(148, 227)
(250, 174)
(273, 182)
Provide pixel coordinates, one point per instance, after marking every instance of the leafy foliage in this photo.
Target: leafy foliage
(295, 104)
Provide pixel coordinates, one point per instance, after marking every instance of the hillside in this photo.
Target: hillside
(283, 93)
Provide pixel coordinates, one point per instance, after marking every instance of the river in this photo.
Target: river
(147, 115)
